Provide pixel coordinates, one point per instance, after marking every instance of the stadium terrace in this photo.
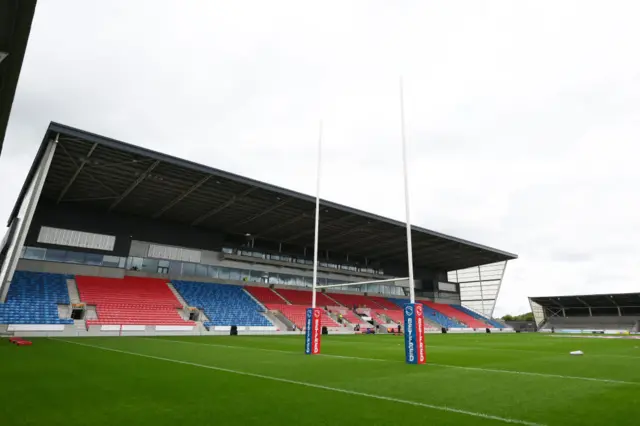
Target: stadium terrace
(108, 237)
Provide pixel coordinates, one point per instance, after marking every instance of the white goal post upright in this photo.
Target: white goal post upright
(412, 292)
(317, 220)
(414, 346)
(313, 314)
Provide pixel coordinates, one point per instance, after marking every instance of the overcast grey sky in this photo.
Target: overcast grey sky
(523, 118)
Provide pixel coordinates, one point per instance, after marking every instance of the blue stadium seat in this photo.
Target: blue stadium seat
(223, 304)
(33, 298)
(432, 314)
(467, 311)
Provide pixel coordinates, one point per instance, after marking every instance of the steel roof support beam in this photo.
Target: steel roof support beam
(322, 226)
(419, 248)
(75, 175)
(283, 224)
(73, 161)
(263, 212)
(223, 206)
(182, 196)
(370, 237)
(133, 186)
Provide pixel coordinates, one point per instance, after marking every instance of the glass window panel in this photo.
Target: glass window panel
(122, 262)
(93, 259)
(202, 270)
(74, 257)
(212, 272)
(175, 268)
(55, 255)
(274, 278)
(223, 273)
(34, 253)
(134, 263)
(234, 274)
(111, 261)
(255, 276)
(149, 265)
(244, 275)
(189, 269)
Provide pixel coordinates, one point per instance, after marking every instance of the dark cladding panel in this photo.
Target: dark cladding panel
(125, 228)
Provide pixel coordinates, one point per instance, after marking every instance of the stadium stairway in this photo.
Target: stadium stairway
(130, 301)
(394, 315)
(224, 304)
(347, 314)
(489, 321)
(454, 313)
(33, 298)
(72, 288)
(297, 315)
(178, 296)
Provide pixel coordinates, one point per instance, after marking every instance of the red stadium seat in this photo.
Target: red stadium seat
(303, 297)
(265, 295)
(130, 301)
(297, 315)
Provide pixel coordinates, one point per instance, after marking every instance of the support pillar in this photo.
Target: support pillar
(15, 250)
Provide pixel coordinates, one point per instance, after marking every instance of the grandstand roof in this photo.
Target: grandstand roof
(101, 173)
(15, 25)
(589, 300)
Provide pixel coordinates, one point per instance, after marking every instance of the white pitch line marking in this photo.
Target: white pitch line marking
(315, 386)
(486, 370)
(216, 345)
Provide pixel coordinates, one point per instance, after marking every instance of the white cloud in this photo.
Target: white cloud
(522, 118)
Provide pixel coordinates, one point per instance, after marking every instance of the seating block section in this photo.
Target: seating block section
(354, 300)
(431, 314)
(297, 315)
(302, 297)
(130, 301)
(33, 298)
(224, 305)
(454, 313)
(265, 295)
(489, 321)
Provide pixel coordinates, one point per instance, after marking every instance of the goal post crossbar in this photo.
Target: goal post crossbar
(361, 283)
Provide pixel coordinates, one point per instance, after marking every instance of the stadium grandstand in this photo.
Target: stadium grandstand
(16, 17)
(111, 238)
(595, 313)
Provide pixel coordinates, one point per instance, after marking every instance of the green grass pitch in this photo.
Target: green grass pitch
(472, 379)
